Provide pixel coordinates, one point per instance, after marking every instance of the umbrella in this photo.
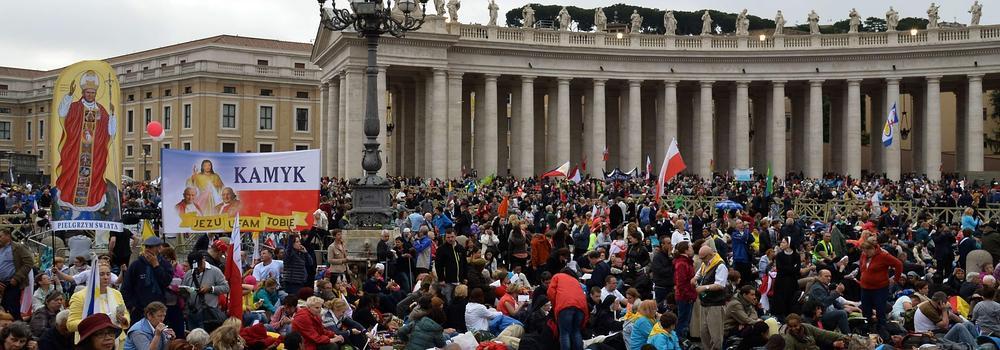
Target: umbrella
(728, 205)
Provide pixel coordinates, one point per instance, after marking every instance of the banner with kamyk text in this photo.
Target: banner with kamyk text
(85, 157)
(203, 192)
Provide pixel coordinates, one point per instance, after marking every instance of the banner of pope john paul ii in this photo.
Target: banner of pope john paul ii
(86, 161)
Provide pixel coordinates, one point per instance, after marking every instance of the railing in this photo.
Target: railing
(727, 43)
(827, 211)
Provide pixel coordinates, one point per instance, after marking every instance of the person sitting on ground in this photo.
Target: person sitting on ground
(834, 315)
(799, 336)
(936, 317)
(986, 313)
(740, 319)
(663, 336)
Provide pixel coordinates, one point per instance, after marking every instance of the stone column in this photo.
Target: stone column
(410, 152)
(974, 125)
(324, 123)
(598, 137)
(548, 138)
(587, 119)
(740, 131)
(355, 117)
(380, 91)
(439, 128)
(631, 148)
(453, 108)
(466, 143)
(931, 130)
(342, 141)
(527, 146)
(776, 145)
(429, 122)
(478, 145)
(814, 131)
(419, 122)
(333, 128)
(503, 132)
(705, 135)
(489, 133)
(892, 159)
(562, 133)
(852, 130)
(876, 121)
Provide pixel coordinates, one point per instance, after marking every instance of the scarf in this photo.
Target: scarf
(657, 330)
(715, 261)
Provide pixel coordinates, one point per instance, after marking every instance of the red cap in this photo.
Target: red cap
(219, 245)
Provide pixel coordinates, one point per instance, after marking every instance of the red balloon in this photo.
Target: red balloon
(154, 129)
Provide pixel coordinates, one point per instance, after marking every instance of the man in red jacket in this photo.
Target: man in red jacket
(684, 292)
(875, 264)
(568, 302)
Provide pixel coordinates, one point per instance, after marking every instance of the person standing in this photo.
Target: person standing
(684, 292)
(206, 283)
(147, 279)
(568, 305)
(788, 264)
(296, 259)
(450, 264)
(742, 253)
(710, 283)
(15, 262)
(874, 267)
(337, 257)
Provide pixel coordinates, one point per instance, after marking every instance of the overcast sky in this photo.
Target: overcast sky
(48, 34)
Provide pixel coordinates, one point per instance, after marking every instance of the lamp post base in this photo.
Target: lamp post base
(371, 203)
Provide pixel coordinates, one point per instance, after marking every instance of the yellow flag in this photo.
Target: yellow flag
(147, 231)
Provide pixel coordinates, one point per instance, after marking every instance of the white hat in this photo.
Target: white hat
(406, 230)
(380, 266)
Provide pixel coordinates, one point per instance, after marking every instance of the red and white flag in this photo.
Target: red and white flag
(605, 153)
(673, 164)
(562, 170)
(234, 271)
(26, 294)
(574, 175)
(649, 167)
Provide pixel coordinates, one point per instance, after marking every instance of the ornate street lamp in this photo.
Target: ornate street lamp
(370, 19)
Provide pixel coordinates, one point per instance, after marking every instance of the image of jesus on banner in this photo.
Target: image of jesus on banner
(88, 129)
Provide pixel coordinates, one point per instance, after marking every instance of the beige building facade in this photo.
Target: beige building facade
(223, 93)
(524, 100)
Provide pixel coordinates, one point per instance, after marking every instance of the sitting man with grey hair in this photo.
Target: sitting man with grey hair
(198, 338)
(58, 337)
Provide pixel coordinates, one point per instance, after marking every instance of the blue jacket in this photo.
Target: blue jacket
(741, 246)
(441, 222)
(143, 284)
(416, 220)
(640, 333)
(665, 341)
(140, 335)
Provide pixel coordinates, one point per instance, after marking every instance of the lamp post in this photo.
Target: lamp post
(370, 19)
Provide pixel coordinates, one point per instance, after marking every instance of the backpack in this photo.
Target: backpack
(908, 319)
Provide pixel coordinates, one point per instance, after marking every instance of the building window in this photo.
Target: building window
(149, 94)
(131, 97)
(130, 173)
(6, 110)
(186, 145)
(300, 65)
(302, 94)
(265, 148)
(187, 116)
(301, 119)
(147, 174)
(163, 65)
(166, 117)
(28, 129)
(147, 150)
(261, 62)
(166, 146)
(301, 147)
(41, 109)
(41, 129)
(41, 154)
(187, 89)
(29, 110)
(229, 116)
(266, 118)
(167, 92)
(149, 116)
(4, 130)
(3, 87)
(129, 121)
(128, 150)
(266, 92)
(229, 89)
(229, 147)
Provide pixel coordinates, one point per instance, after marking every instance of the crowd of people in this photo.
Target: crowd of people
(504, 263)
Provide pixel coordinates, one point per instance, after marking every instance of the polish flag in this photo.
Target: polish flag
(574, 175)
(234, 271)
(562, 170)
(605, 153)
(583, 165)
(649, 167)
(673, 164)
